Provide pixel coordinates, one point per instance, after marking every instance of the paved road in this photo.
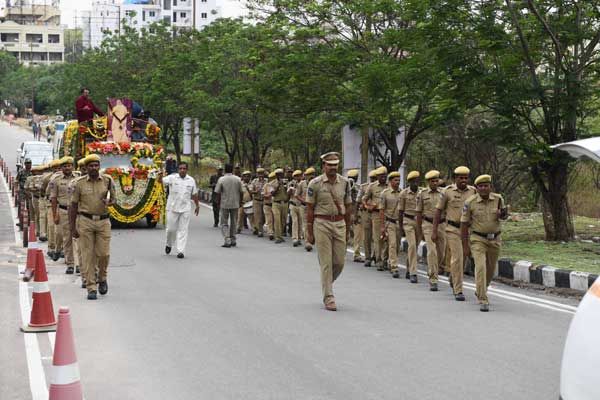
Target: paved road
(247, 323)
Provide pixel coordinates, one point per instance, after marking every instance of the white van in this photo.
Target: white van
(39, 152)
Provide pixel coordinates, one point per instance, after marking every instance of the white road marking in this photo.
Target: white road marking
(505, 294)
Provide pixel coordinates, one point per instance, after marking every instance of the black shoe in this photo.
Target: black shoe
(103, 287)
(215, 225)
(92, 295)
(459, 297)
(413, 279)
(395, 274)
(279, 241)
(77, 270)
(484, 307)
(180, 255)
(255, 233)
(407, 276)
(226, 245)
(50, 254)
(43, 239)
(380, 267)
(308, 248)
(260, 234)
(62, 255)
(233, 244)
(70, 270)
(168, 249)
(433, 287)
(55, 256)
(367, 263)
(271, 237)
(296, 243)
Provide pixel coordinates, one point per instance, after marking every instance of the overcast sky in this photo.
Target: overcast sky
(71, 8)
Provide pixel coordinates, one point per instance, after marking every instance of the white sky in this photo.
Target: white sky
(71, 8)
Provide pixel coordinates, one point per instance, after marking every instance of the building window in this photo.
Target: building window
(34, 38)
(174, 3)
(183, 15)
(53, 38)
(143, 15)
(204, 15)
(203, 1)
(55, 56)
(9, 37)
(152, 14)
(167, 5)
(174, 17)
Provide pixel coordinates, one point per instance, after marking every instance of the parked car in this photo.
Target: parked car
(39, 152)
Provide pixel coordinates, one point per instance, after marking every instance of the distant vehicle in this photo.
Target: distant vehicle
(57, 138)
(35, 149)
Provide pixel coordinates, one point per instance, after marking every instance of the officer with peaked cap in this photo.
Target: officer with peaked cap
(92, 195)
(279, 198)
(46, 223)
(56, 236)
(32, 190)
(329, 210)
(371, 203)
(246, 197)
(451, 204)
(296, 209)
(426, 203)
(300, 195)
(389, 214)
(366, 220)
(407, 207)
(268, 204)
(356, 227)
(256, 189)
(481, 217)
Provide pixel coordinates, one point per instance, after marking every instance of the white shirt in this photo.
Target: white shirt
(180, 192)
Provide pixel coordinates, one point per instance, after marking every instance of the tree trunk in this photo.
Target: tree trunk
(558, 222)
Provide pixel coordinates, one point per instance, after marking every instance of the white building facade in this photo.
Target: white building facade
(108, 16)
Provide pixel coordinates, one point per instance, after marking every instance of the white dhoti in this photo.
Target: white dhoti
(177, 229)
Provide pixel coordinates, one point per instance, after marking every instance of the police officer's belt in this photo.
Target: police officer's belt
(409, 216)
(388, 219)
(430, 220)
(63, 207)
(279, 201)
(94, 217)
(374, 210)
(332, 218)
(489, 236)
(454, 224)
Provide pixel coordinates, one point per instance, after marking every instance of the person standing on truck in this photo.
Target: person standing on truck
(85, 108)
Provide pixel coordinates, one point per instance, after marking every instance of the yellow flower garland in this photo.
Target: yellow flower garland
(156, 196)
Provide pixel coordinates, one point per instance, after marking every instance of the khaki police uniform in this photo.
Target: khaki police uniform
(43, 205)
(481, 216)
(93, 226)
(451, 204)
(389, 204)
(258, 217)
(296, 212)
(300, 192)
(366, 224)
(246, 197)
(407, 205)
(32, 188)
(357, 229)
(373, 196)
(60, 191)
(268, 208)
(436, 251)
(54, 233)
(329, 227)
(279, 207)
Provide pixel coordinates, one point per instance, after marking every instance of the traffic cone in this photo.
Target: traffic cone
(32, 246)
(581, 355)
(42, 313)
(65, 383)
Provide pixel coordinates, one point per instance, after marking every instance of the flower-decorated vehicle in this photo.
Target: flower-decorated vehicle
(130, 154)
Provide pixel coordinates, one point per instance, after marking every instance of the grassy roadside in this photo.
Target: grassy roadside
(523, 239)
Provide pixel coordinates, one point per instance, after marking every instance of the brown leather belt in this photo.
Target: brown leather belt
(94, 217)
(409, 216)
(374, 210)
(63, 207)
(388, 219)
(454, 224)
(430, 220)
(488, 236)
(279, 201)
(332, 218)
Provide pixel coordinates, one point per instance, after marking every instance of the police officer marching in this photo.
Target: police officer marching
(300, 195)
(389, 213)
(247, 196)
(366, 219)
(371, 202)
(407, 207)
(268, 204)
(279, 193)
(329, 215)
(256, 189)
(480, 227)
(356, 228)
(92, 195)
(296, 209)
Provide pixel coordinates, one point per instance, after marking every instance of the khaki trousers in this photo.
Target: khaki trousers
(241, 215)
(392, 231)
(411, 236)
(436, 251)
(296, 212)
(35, 204)
(65, 230)
(258, 218)
(306, 244)
(330, 239)
(357, 239)
(485, 253)
(376, 232)
(268, 210)
(284, 217)
(368, 234)
(279, 216)
(94, 239)
(456, 258)
(54, 234)
(43, 228)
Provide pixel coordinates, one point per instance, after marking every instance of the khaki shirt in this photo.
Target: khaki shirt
(427, 200)
(268, 191)
(32, 185)
(373, 193)
(452, 201)
(49, 184)
(324, 195)
(301, 190)
(246, 192)
(60, 189)
(482, 214)
(89, 194)
(279, 190)
(256, 187)
(408, 201)
(389, 203)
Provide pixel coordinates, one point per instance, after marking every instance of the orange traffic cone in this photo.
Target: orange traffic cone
(65, 382)
(42, 313)
(32, 246)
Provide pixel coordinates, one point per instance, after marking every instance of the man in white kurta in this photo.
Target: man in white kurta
(182, 191)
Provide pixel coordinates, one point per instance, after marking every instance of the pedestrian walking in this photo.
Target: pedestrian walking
(481, 217)
(256, 189)
(92, 195)
(389, 214)
(300, 194)
(407, 207)
(426, 203)
(329, 209)
(214, 199)
(182, 191)
(371, 202)
(229, 190)
(451, 204)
